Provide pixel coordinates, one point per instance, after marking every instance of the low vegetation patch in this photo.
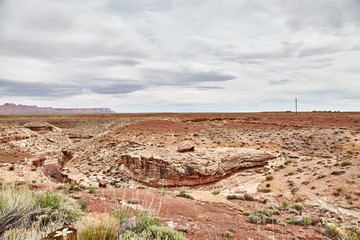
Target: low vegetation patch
(269, 178)
(345, 164)
(302, 220)
(216, 191)
(235, 197)
(263, 216)
(98, 232)
(183, 193)
(228, 234)
(336, 232)
(24, 212)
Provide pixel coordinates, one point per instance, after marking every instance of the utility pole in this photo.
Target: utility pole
(296, 105)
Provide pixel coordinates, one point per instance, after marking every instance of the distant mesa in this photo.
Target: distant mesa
(11, 108)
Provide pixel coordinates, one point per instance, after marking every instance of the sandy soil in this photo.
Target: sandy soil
(317, 165)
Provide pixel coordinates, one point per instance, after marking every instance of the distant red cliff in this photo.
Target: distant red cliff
(11, 108)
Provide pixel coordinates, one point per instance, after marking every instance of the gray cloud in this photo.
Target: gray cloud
(167, 77)
(180, 55)
(206, 88)
(113, 86)
(35, 89)
(279, 82)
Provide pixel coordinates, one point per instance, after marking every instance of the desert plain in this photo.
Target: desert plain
(271, 175)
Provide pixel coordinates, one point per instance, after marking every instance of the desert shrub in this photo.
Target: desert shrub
(216, 191)
(303, 220)
(337, 173)
(232, 197)
(70, 188)
(120, 213)
(15, 206)
(148, 227)
(90, 221)
(287, 162)
(99, 232)
(131, 235)
(146, 220)
(345, 164)
(92, 190)
(24, 211)
(158, 232)
(263, 216)
(298, 207)
(248, 197)
(153, 232)
(133, 201)
(184, 229)
(83, 205)
(307, 220)
(49, 200)
(332, 230)
(269, 178)
(272, 237)
(183, 193)
(337, 191)
(228, 234)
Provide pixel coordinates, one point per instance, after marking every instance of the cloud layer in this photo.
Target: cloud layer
(175, 55)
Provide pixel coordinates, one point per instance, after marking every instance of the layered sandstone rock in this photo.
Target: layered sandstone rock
(165, 167)
(40, 127)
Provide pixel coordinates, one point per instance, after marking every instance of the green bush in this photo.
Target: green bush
(158, 232)
(336, 232)
(298, 207)
(91, 190)
(99, 232)
(248, 197)
(263, 216)
(184, 229)
(20, 208)
(332, 230)
(302, 221)
(228, 234)
(120, 213)
(238, 197)
(153, 233)
(49, 200)
(183, 193)
(83, 205)
(307, 220)
(149, 228)
(146, 220)
(216, 191)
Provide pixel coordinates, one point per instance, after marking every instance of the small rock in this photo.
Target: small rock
(186, 146)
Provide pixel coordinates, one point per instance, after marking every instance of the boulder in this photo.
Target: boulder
(185, 146)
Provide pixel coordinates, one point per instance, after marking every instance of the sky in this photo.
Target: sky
(181, 55)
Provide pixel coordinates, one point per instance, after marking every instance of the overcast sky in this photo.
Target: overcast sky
(181, 55)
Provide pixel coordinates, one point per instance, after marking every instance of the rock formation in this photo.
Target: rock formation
(11, 108)
(164, 167)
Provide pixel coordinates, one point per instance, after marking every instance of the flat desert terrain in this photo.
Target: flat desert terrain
(273, 175)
